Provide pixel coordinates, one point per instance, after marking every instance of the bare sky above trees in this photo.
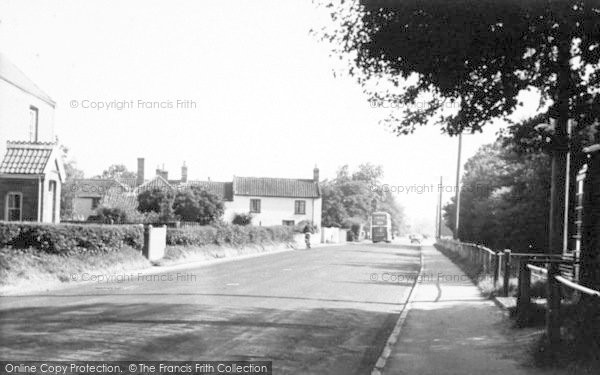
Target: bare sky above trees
(266, 101)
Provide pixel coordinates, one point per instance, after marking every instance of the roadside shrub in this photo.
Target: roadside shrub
(242, 219)
(112, 215)
(70, 238)
(231, 235)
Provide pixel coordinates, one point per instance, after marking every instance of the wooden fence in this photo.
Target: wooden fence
(502, 265)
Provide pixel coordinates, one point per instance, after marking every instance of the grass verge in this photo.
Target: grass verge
(186, 254)
(23, 270)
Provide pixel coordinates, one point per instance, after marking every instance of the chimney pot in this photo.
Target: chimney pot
(316, 174)
(184, 173)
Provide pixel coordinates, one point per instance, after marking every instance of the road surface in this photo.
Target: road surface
(327, 310)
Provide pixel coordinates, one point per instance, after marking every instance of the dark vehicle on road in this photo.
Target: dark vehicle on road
(381, 227)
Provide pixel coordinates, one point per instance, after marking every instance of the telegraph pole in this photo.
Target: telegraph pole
(439, 212)
(456, 226)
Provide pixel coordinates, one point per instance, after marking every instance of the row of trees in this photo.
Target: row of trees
(350, 198)
(504, 199)
(506, 187)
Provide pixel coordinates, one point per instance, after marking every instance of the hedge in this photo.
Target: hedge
(70, 238)
(232, 235)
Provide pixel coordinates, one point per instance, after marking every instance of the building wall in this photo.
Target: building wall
(274, 210)
(14, 116)
(29, 188)
(47, 198)
(82, 207)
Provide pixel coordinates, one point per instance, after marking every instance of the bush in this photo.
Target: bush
(199, 205)
(70, 238)
(242, 219)
(112, 215)
(232, 235)
(119, 215)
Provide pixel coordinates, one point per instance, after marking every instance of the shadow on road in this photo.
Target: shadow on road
(307, 341)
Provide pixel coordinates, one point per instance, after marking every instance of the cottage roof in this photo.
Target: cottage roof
(222, 189)
(30, 158)
(275, 187)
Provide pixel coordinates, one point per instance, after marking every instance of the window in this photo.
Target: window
(255, 206)
(33, 124)
(300, 207)
(289, 223)
(95, 203)
(14, 207)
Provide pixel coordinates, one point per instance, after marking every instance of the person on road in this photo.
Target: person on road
(307, 232)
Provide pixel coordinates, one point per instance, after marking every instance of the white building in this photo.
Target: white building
(270, 201)
(31, 169)
(276, 201)
(26, 112)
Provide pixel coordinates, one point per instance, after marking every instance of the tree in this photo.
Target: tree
(502, 195)
(477, 56)
(353, 197)
(117, 171)
(152, 200)
(67, 194)
(197, 204)
(157, 200)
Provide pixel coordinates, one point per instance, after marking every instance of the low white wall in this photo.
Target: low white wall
(333, 235)
(155, 242)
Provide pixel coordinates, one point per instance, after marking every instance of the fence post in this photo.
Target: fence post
(506, 272)
(496, 268)
(524, 293)
(553, 309)
(486, 269)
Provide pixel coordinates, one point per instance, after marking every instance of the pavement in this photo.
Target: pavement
(326, 310)
(451, 329)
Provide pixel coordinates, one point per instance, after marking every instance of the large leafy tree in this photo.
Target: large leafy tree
(469, 60)
(503, 199)
(351, 198)
(117, 171)
(197, 204)
(157, 200)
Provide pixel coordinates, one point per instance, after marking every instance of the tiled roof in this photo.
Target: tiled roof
(94, 187)
(13, 75)
(222, 189)
(120, 199)
(26, 157)
(129, 181)
(275, 187)
(156, 183)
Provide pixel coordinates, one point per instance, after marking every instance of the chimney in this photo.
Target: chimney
(184, 172)
(140, 172)
(162, 173)
(316, 174)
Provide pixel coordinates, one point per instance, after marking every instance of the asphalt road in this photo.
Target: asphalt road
(327, 310)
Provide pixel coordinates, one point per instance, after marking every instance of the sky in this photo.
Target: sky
(231, 88)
